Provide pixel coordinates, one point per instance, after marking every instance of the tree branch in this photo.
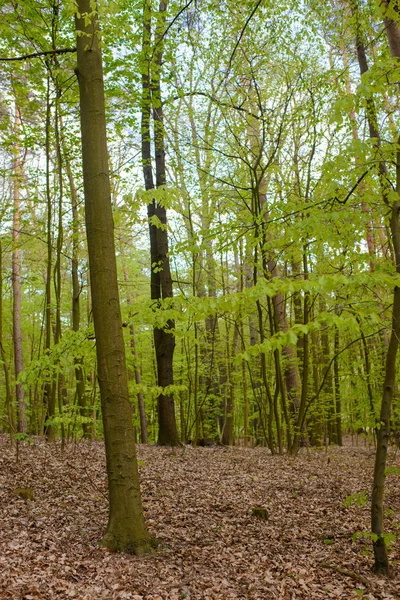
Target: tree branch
(242, 33)
(164, 35)
(316, 395)
(38, 54)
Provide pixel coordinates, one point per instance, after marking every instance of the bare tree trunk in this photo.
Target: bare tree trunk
(49, 389)
(338, 398)
(299, 426)
(161, 281)
(9, 400)
(61, 392)
(325, 361)
(136, 368)
(138, 379)
(226, 386)
(80, 388)
(16, 280)
(126, 530)
(377, 525)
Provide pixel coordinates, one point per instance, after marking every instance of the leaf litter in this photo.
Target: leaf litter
(199, 503)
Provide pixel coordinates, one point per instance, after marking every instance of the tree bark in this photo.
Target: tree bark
(126, 530)
(161, 281)
(80, 388)
(136, 368)
(377, 525)
(16, 281)
(338, 398)
(381, 564)
(9, 402)
(49, 398)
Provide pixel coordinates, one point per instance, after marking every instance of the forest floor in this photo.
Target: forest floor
(198, 503)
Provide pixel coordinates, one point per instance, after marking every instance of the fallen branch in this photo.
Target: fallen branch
(352, 574)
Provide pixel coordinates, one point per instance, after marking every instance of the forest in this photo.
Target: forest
(200, 299)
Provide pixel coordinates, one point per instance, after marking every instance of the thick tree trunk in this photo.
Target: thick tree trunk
(126, 530)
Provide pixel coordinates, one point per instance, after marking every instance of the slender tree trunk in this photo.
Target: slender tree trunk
(61, 393)
(377, 525)
(299, 427)
(80, 389)
(325, 359)
(240, 326)
(136, 368)
(9, 400)
(126, 530)
(49, 390)
(286, 376)
(338, 398)
(16, 280)
(138, 380)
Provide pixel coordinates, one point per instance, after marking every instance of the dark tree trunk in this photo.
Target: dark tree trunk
(161, 281)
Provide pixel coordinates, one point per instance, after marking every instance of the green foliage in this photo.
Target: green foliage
(74, 346)
(392, 471)
(359, 498)
(23, 437)
(389, 538)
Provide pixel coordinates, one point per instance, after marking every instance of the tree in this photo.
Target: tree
(161, 281)
(126, 530)
(383, 428)
(16, 278)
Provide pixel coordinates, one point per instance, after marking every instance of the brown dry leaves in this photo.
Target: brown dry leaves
(198, 503)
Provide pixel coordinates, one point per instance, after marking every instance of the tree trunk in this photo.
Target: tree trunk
(9, 402)
(61, 392)
(325, 360)
(49, 389)
(299, 426)
(16, 282)
(380, 552)
(126, 530)
(161, 281)
(80, 388)
(338, 398)
(136, 368)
